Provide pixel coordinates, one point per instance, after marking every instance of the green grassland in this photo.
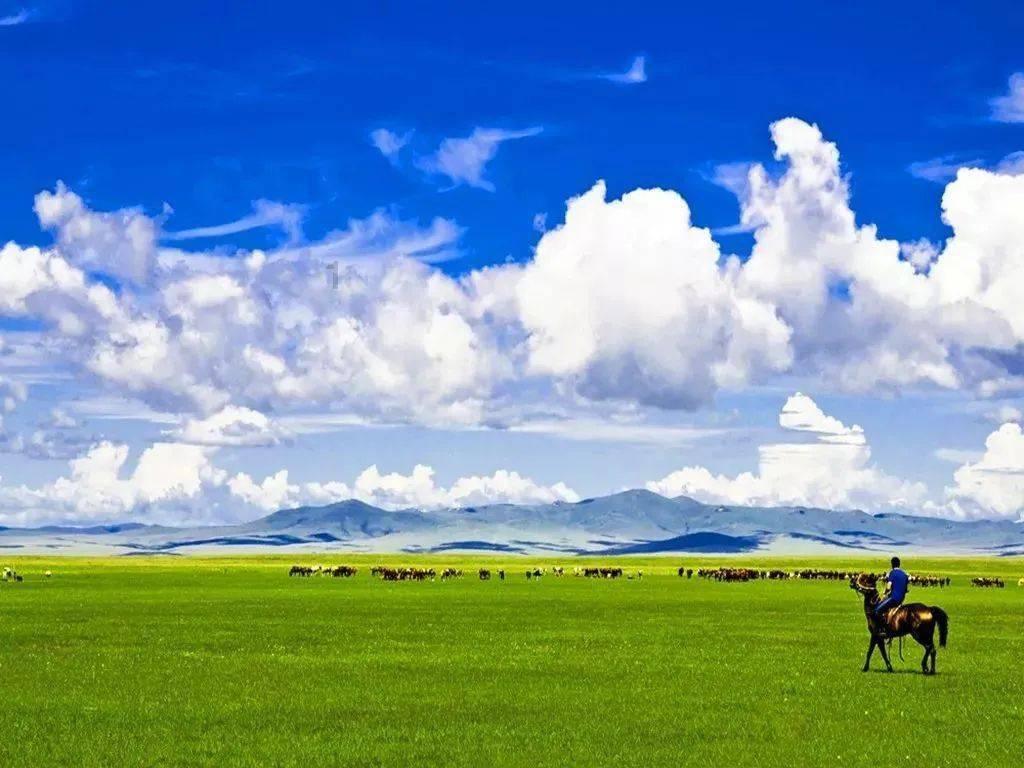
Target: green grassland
(228, 661)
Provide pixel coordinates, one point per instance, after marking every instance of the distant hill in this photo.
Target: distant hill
(635, 521)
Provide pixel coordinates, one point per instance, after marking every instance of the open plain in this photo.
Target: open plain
(229, 661)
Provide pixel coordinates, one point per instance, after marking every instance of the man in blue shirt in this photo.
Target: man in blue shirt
(898, 583)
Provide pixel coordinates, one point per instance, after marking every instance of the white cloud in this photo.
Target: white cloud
(1009, 108)
(232, 425)
(389, 143)
(170, 481)
(121, 244)
(179, 484)
(940, 170)
(418, 489)
(992, 486)
(1012, 164)
(22, 16)
(921, 254)
(265, 213)
(463, 161)
(636, 74)
(957, 455)
(1005, 413)
(834, 471)
(627, 300)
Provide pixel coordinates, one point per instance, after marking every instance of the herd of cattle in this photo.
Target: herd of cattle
(985, 581)
(751, 574)
(723, 574)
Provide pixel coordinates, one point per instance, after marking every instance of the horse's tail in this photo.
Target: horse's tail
(943, 621)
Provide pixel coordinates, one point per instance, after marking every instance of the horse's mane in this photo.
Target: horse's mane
(867, 583)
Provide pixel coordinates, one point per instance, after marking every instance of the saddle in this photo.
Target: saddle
(886, 619)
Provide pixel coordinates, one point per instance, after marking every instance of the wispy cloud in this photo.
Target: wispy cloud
(939, 170)
(1012, 164)
(265, 213)
(22, 16)
(463, 160)
(1010, 107)
(636, 74)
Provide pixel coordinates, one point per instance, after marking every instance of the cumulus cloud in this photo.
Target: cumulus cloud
(179, 483)
(832, 471)
(121, 244)
(992, 486)
(627, 299)
(1009, 108)
(170, 479)
(418, 489)
(232, 425)
(463, 160)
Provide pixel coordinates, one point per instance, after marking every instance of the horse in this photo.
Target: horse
(915, 619)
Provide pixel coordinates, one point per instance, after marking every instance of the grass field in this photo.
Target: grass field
(223, 662)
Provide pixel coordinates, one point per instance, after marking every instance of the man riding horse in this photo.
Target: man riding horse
(898, 582)
(888, 618)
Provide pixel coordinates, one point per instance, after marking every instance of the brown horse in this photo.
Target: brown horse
(915, 619)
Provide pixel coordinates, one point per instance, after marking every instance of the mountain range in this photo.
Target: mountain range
(631, 522)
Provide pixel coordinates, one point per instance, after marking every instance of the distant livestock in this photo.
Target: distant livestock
(386, 573)
(337, 571)
(985, 581)
(930, 581)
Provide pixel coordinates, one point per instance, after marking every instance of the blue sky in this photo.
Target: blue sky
(255, 121)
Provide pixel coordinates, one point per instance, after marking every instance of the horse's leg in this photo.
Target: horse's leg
(927, 639)
(871, 649)
(885, 656)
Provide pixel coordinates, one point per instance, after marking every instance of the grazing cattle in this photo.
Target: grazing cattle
(47, 574)
(930, 581)
(1020, 583)
(501, 574)
(485, 575)
(386, 573)
(602, 573)
(985, 581)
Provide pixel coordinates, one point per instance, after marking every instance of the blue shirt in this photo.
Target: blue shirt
(898, 580)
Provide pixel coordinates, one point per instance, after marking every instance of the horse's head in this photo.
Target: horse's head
(864, 583)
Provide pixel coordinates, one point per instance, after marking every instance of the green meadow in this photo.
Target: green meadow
(228, 661)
